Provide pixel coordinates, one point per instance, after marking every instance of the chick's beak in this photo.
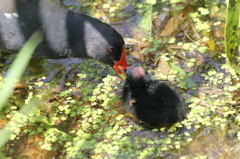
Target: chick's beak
(121, 65)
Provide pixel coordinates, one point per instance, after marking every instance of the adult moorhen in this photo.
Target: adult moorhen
(66, 34)
(151, 100)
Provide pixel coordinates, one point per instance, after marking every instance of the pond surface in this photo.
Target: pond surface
(81, 114)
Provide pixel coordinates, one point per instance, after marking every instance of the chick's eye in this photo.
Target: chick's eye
(111, 48)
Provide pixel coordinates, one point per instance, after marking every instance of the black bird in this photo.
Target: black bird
(149, 99)
(66, 34)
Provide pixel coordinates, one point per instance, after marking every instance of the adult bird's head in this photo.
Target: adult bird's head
(121, 65)
(104, 44)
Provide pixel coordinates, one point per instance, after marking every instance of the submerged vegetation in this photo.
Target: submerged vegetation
(72, 108)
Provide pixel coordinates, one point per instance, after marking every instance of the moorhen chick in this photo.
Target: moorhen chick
(149, 99)
(66, 34)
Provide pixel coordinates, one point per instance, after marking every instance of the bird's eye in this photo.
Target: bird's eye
(111, 49)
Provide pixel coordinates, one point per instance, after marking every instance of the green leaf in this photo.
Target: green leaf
(19, 65)
(145, 19)
(232, 30)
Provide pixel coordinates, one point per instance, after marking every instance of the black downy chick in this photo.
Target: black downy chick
(150, 100)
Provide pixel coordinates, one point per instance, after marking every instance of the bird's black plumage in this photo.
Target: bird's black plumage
(150, 100)
(66, 34)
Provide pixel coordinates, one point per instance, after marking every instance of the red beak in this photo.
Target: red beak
(121, 65)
